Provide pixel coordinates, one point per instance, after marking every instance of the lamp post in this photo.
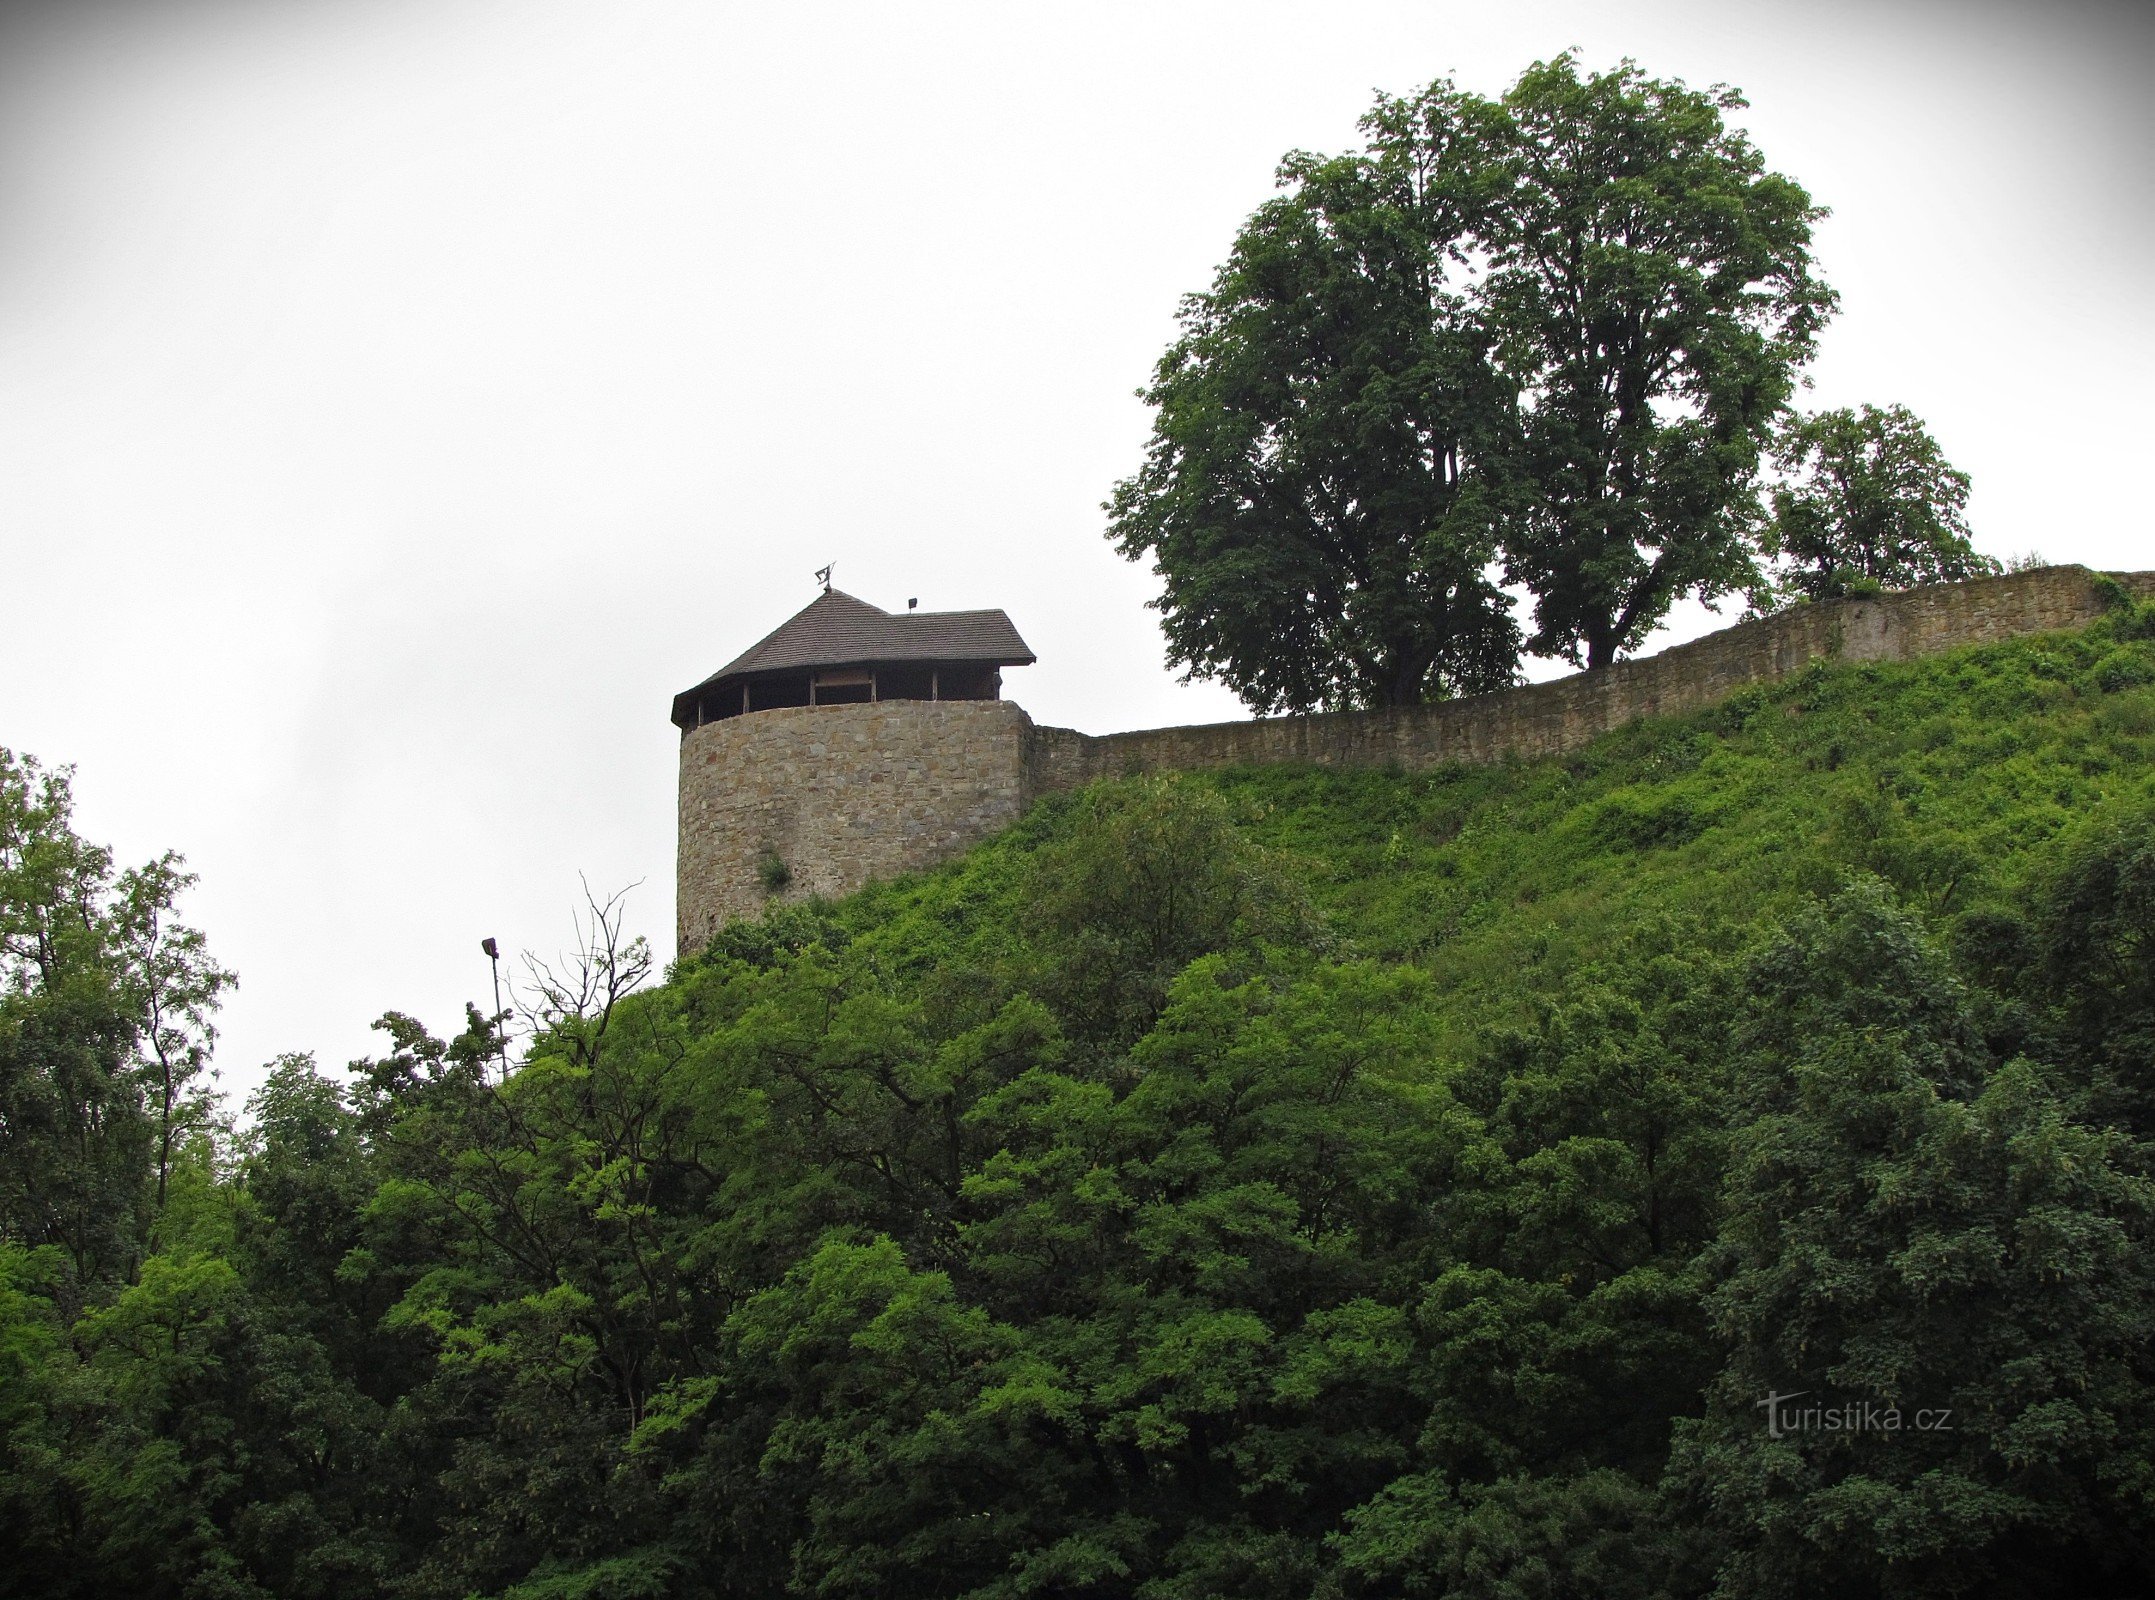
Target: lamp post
(501, 1042)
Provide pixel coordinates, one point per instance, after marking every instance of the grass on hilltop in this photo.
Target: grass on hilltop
(1951, 777)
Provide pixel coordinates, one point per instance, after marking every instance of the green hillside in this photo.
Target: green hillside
(1270, 1183)
(1956, 779)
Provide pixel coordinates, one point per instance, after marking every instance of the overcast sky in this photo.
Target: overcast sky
(401, 399)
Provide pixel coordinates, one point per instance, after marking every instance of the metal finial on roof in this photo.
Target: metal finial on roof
(823, 576)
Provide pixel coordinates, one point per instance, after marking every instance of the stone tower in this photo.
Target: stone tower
(852, 743)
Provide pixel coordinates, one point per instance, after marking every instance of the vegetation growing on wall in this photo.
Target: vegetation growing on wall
(1282, 1183)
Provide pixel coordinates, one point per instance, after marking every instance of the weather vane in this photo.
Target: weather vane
(823, 576)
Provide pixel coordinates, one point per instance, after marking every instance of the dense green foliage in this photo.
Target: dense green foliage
(1653, 298)
(1318, 497)
(1870, 503)
(1546, 338)
(104, 1037)
(1288, 1183)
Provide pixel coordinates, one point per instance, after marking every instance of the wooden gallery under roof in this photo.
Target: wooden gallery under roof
(843, 651)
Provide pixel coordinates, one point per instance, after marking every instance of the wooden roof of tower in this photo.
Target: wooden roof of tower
(836, 630)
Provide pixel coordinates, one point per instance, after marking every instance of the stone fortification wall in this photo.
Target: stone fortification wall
(1546, 719)
(840, 795)
(846, 794)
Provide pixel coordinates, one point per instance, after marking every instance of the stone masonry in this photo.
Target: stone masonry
(845, 794)
(838, 795)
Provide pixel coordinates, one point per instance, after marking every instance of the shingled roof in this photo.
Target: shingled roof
(836, 630)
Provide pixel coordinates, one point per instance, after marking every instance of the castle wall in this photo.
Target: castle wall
(846, 794)
(841, 795)
(1547, 719)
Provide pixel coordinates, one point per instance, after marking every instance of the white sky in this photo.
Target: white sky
(400, 401)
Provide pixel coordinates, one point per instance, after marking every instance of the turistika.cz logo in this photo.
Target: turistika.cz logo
(1854, 1416)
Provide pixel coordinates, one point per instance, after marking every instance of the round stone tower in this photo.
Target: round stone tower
(851, 744)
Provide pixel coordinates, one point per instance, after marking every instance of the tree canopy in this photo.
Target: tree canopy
(1870, 503)
(1542, 339)
(1313, 497)
(105, 1004)
(1654, 295)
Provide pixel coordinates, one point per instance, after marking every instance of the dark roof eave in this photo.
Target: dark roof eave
(687, 697)
(869, 662)
(837, 630)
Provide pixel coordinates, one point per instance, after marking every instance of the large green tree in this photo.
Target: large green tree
(104, 1031)
(1311, 497)
(1652, 285)
(1545, 338)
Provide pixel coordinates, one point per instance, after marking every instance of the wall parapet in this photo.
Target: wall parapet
(1566, 714)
